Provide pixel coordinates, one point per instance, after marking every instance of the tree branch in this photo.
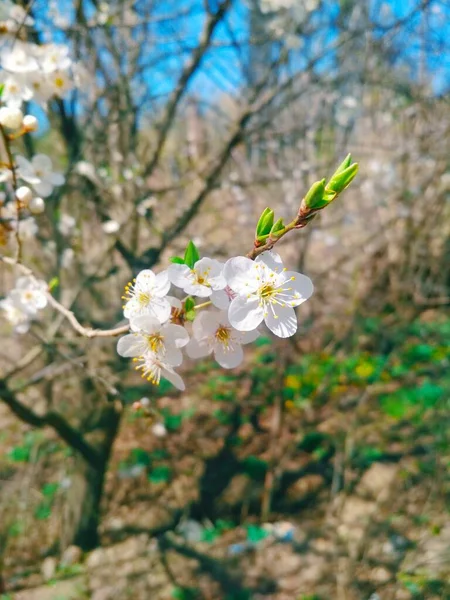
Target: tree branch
(187, 74)
(66, 432)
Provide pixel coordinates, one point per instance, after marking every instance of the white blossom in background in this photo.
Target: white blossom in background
(39, 173)
(30, 295)
(146, 294)
(159, 430)
(13, 16)
(67, 258)
(66, 224)
(205, 277)
(149, 335)
(110, 227)
(15, 90)
(13, 313)
(214, 334)
(265, 292)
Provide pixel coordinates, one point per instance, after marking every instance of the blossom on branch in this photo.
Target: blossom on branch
(39, 173)
(149, 335)
(146, 294)
(213, 333)
(205, 277)
(265, 292)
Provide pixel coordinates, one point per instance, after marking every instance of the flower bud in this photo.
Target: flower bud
(36, 205)
(265, 223)
(11, 117)
(24, 194)
(30, 123)
(314, 198)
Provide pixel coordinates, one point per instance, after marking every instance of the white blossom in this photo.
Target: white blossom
(11, 117)
(39, 173)
(205, 277)
(266, 291)
(29, 294)
(66, 224)
(148, 335)
(213, 333)
(146, 294)
(15, 315)
(111, 226)
(159, 430)
(15, 91)
(154, 367)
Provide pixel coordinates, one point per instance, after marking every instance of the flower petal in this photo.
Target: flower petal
(302, 287)
(42, 162)
(173, 357)
(271, 259)
(240, 275)
(144, 322)
(131, 345)
(284, 323)
(173, 378)
(206, 324)
(245, 313)
(220, 299)
(57, 179)
(145, 279)
(247, 337)
(228, 358)
(43, 188)
(196, 349)
(175, 335)
(197, 289)
(179, 275)
(161, 284)
(160, 308)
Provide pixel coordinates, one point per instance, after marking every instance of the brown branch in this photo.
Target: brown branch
(66, 432)
(12, 168)
(87, 332)
(187, 74)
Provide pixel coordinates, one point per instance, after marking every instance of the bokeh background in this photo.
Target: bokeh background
(319, 469)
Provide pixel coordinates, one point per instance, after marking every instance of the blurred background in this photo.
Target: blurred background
(319, 469)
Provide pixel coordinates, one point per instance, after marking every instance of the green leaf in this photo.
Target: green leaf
(190, 315)
(20, 454)
(341, 180)
(189, 304)
(344, 164)
(160, 474)
(53, 283)
(191, 256)
(277, 228)
(43, 512)
(265, 222)
(2, 87)
(139, 456)
(177, 260)
(49, 490)
(314, 197)
(256, 534)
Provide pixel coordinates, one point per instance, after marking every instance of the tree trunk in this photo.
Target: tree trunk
(83, 510)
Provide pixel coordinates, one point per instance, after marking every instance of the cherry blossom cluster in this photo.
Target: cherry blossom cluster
(23, 303)
(223, 307)
(28, 73)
